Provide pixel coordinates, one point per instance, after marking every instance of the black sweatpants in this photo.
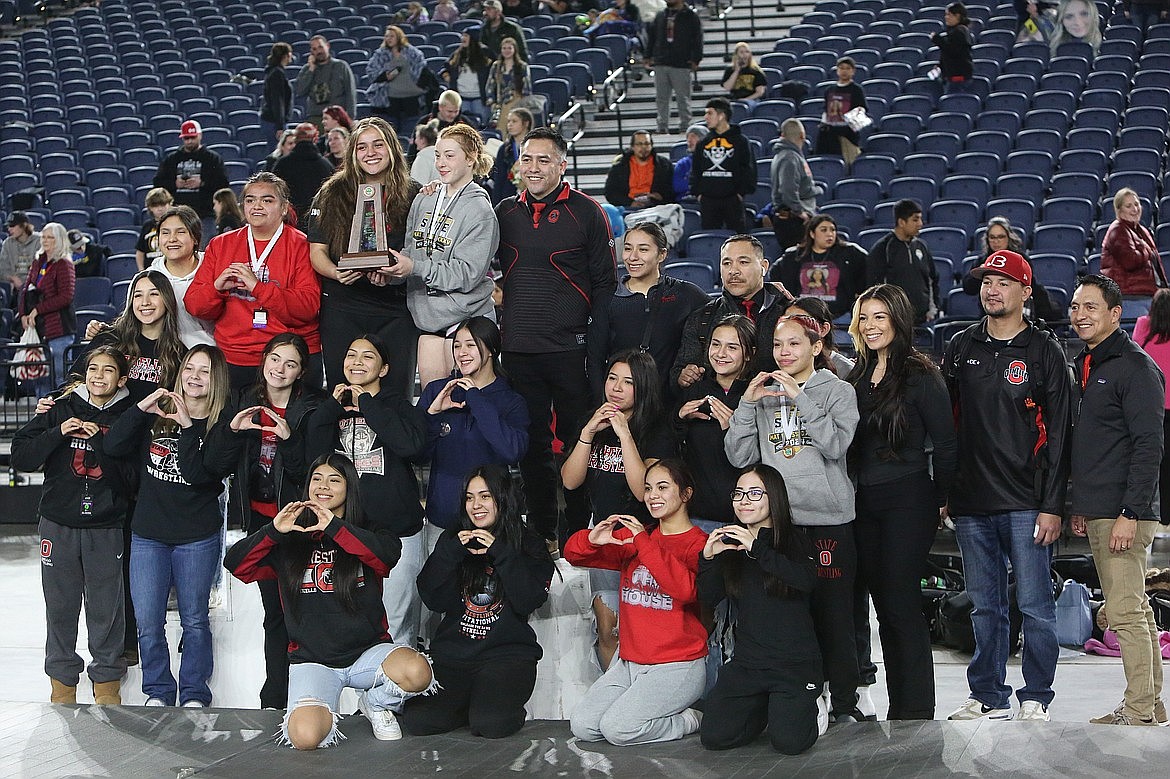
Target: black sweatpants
(546, 382)
(274, 691)
(343, 321)
(719, 212)
(744, 701)
(832, 610)
(894, 528)
(489, 699)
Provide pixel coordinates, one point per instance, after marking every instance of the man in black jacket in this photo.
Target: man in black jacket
(903, 259)
(1010, 389)
(1116, 450)
(639, 168)
(303, 169)
(192, 173)
(722, 170)
(674, 48)
(557, 258)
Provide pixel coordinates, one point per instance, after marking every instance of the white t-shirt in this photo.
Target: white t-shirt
(192, 331)
(423, 168)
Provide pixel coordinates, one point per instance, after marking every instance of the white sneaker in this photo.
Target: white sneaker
(973, 709)
(383, 721)
(154, 702)
(1033, 710)
(822, 716)
(865, 703)
(693, 718)
(193, 705)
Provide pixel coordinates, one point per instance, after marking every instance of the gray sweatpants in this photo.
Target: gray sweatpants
(639, 704)
(678, 81)
(83, 565)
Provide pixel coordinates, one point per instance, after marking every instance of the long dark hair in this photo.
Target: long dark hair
(745, 331)
(682, 477)
(902, 361)
(787, 538)
(118, 358)
(510, 530)
(298, 547)
(806, 240)
(820, 311)
(1159, 318)
(647, 409)
(487, 338)
(260, 388)
(473, 56)
(127, 328)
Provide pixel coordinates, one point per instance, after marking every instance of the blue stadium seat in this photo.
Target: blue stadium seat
(930, 165)
(1078, 185)
(92, 292)
(960, 305)
(1064, 102)
(850, 217)
(1047, 119)
(1055, 270)
(917, 188)
(1048, 141)
(1038, 162)
(1021, 213)
(947, 240)
(901, 124)
(698, 273)
(976, 189)
(859, 190)
(828, 169)
(1143, 138)
(1023, 186)
(874, 166)
(1139, 160)
(120, 267)
(1089, 161)
(980, 163)
(1102, 98)
(1059, 239)
(1141, 182)
(997, 142)
(763, 130)
(704, 247)
(946, 274)
(1009, 102)
(1004, 121)
(1102, 118)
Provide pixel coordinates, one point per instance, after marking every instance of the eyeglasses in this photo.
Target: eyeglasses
(755, 495)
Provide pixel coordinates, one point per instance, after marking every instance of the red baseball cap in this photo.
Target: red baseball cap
(190, 129)
(1006, 263)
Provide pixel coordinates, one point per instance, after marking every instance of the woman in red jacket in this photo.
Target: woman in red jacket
(46, 300)
(1129, 254)
(257, 282)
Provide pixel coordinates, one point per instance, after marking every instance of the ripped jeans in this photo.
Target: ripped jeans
(313, 684)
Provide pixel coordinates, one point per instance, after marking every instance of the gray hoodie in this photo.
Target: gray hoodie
(450, 281)
(808, 447)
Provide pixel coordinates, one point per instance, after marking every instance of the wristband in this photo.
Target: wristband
(583, 441)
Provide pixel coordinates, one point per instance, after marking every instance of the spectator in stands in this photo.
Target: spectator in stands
(445, 11)
(800, 419)
(794, 193)
(622, 17)
(288, 139)
(228, 215)
(682, 168)
(275, 292)
(423, 169)
(569, 6)
(639, 178)
(674, 48)
(496, 28)
(276, 105)
(192, 173)
(817, 309)
(352, 305)
(415, 14)
(46, 299)
(722, 170)
(180, 235)
(824, 265)
(518, 9)
(835, 136)
(392, 75)
(1129, 253)
(998, 236)
(1117, 445)
(325, 81)
(1152, 333)
(901, 488)
(303, 169)
(448, 111)
(743, 79)
(1144, 14)
(157, 201)
(87, 254)
(902, 258)
(336, 141)
(1077, 20)
(506, 179)
(19, 250)
(954, 43)
(742, 269)
(335, 116)
(1008, 494)
(507, 81)
(649, 308)
(557, 257)
(466, 72)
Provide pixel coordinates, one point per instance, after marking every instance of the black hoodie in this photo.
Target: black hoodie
(723, 166)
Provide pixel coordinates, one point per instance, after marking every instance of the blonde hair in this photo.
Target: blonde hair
(1121, 195)
(159, 197)
(451, 97)
(220, 387)
(472, 144)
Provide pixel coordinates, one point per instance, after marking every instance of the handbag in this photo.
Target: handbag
(29, 361)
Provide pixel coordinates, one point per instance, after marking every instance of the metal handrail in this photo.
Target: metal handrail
(576, 107)
(616, 105)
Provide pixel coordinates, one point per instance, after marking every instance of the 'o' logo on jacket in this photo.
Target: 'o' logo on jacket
(1017, 372)
(553, 216)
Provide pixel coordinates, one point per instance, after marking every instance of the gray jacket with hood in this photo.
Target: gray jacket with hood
(806, 441)
(450, 280)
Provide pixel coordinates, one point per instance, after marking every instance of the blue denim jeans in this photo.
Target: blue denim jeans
(191, 568)
(989, 542)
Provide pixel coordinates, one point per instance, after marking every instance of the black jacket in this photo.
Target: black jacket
(559, 271)
(1117, 431)
(1008, 461)
(617, 181)
(954, 52)
(276, 106)
(305, 170)
(836, 277)
(697, 330)
(380, 437)
(909, 265)
(202, 162)
(722, 165)
(686, 47)
(665, 308)
(702, 449)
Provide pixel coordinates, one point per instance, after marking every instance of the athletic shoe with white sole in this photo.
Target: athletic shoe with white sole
(973, 709)
(1034, 711)
(865, 703)
(822, 716)
(155, 702)
(383, 721)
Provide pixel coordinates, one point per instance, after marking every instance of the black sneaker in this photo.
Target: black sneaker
(854, 715)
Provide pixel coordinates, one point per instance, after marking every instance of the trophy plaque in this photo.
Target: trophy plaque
(367, 236)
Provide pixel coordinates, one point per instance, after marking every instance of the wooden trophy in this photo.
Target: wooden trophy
(367, 236)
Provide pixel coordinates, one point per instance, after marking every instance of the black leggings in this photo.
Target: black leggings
(832, 610)
(274, 692)
(744, 701)
(489, 699)
(343, 321)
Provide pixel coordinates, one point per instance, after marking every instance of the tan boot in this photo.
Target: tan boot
(62, 693)
(107, 693)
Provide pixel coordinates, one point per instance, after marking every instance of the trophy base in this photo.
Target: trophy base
(365, 260)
